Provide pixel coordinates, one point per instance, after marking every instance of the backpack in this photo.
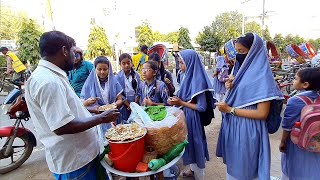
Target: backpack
(307, 136)
(274, 119)
(207, 116)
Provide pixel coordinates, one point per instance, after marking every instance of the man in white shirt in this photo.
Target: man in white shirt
(63, 124)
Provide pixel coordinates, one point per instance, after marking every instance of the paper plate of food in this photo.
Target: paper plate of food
(107, 107)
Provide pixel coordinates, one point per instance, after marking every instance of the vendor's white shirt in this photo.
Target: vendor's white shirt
(52, 103)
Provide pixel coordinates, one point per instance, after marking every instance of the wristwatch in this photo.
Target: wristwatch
(232, 111)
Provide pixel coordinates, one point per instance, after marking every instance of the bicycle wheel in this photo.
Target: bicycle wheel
(22, 149)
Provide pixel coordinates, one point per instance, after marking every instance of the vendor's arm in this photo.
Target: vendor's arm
(261, 113)
(78, 125)
(58, 115)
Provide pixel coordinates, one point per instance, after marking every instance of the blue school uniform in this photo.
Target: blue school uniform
(107, 91)
(157, 91)
(129, 94)
(244, 143)
(219, 80)
(193, 90)
(297, 163)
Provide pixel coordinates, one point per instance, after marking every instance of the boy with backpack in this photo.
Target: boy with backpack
(300, 142)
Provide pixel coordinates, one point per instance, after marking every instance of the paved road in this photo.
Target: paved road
(35, 167)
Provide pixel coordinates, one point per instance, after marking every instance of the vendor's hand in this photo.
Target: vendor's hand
(283, 147)
(147, 102)
(229, 82)
(90, 101)
(223, 107)
(174, 101)
(109, 115)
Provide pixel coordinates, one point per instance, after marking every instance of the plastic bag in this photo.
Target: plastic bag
(139, 116)
(162, 135)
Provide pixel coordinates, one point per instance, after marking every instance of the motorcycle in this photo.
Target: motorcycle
(18, 140)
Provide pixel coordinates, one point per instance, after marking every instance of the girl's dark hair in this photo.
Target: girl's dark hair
(156, 57)
(51, 42)
(123, 56)
(102, 60)
(153, 65)
(246, 40)
(312, 76)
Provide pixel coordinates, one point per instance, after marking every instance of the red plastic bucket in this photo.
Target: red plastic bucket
(126, 155)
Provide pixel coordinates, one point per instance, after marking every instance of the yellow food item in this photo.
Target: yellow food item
(107, 107)
(125, 132)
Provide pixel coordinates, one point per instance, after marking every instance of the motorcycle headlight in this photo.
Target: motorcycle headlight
(5, 108)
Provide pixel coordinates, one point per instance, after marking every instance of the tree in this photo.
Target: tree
(289, 39)
(254, 27)
(28, 42)
(172, 37)
(98, 44)
(144, 34)
(298, 40)
(279, 42)
(158, 37)
(11, 23)
(315, 43)
(184, 39)
(266, 34)
(228, 25)
(208, 39)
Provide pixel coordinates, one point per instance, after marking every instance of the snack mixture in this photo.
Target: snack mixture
(107, 107)
(125, 132)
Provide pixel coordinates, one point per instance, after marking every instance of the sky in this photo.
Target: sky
(119, 17)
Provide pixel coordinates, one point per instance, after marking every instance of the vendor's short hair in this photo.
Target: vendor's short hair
(51, 43)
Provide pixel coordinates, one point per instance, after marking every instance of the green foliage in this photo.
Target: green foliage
(98, 44)
(11, 23)
(3, 61)
(208, 39)
(158, 37)
(298, 40)
(28, 42)
(315, 43)
(144, 34)
(289, 39)
(172, 37)
(266, 34)
(254, 27)
(184, 39)
(280, 42)
(228, 25)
